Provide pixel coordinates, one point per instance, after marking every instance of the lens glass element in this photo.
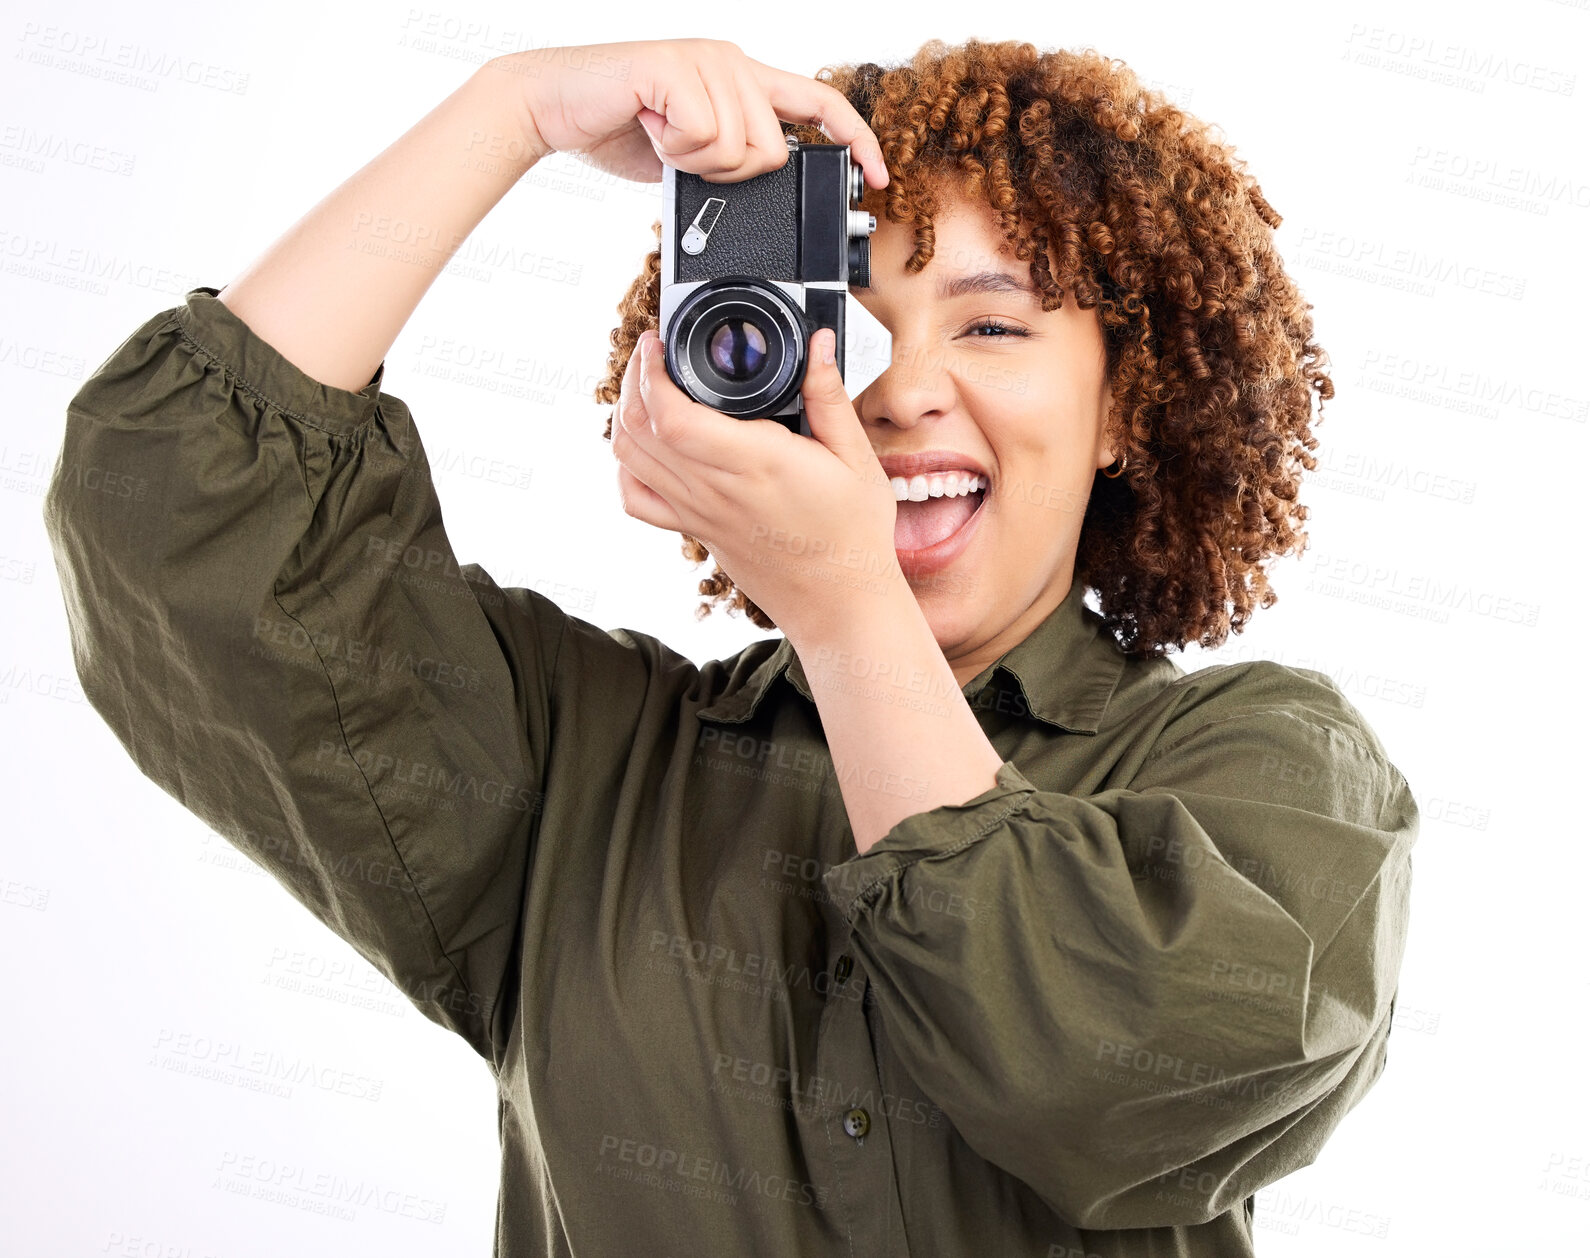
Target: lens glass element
(737, 349)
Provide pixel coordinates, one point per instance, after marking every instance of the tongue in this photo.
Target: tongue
(921, 524)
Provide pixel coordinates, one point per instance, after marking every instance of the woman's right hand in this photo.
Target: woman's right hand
(700, 105)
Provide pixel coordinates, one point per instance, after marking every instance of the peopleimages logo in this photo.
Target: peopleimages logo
(259, 1069)
(701, 1171)
(320, 1192)
(440, 780)
(1438, 60)
(1413, 592)
(139, 66)
(1401, 266)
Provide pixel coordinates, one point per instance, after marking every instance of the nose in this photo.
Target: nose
(915, 387)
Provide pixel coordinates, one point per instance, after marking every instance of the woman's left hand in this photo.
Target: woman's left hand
(804, 527)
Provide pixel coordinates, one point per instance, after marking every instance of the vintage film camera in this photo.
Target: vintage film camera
(751, 270)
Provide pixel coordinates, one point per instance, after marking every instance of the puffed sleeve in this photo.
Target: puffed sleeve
(266, 610)
(1171, 990)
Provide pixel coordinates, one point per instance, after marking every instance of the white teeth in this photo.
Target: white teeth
(935, 485)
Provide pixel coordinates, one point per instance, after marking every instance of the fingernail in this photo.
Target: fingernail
(825, 340)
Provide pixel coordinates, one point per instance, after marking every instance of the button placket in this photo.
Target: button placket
(852, 1109)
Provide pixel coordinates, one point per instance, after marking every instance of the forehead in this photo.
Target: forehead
(970, 256)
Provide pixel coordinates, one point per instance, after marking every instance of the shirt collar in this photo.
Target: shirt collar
(1065, 671)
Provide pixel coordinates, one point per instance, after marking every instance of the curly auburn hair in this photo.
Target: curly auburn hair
(1210, 356)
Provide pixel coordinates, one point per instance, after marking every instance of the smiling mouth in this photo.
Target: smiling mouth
(919, 525)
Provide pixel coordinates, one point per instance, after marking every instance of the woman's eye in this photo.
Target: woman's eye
(1002, 329)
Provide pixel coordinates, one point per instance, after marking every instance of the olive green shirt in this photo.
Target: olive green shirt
(1091, 1011)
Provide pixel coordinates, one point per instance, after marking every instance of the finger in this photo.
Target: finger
(797, 99)
(762, 125)
(634, 454)
(727, 152)
(633, 437)
(645, 504)
(692, 435)
(765, 149)
(628, 389)
(688, 122)
(830, 414)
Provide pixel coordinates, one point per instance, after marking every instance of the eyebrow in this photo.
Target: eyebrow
(987, 282)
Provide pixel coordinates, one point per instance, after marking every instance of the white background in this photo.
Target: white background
(1429, 163)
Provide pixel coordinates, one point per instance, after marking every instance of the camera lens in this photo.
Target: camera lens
(738, 349)
(737, 343)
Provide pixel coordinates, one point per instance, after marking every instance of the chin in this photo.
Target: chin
(950, 612)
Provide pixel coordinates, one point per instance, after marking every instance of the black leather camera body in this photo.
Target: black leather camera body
(751, 270)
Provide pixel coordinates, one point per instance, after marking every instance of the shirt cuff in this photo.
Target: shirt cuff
(942, 831)
(210, 326)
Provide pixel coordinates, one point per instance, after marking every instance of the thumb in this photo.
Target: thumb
(654, 124)
(830, 413)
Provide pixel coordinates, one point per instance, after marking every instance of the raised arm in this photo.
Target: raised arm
(272, 619)
(332, 294)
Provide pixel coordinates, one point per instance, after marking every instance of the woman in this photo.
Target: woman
(960, 920)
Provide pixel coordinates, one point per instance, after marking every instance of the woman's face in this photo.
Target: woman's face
(1026, 402)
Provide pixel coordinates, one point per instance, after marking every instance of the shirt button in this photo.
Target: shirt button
(857, 1123)
(842, 968)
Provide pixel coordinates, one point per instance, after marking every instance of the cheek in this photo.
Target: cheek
(1046, 437)
(1047, 474)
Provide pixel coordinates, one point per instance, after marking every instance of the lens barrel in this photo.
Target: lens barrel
(738, 344)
